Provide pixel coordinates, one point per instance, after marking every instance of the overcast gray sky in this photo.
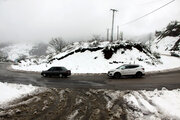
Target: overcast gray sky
(40, 20)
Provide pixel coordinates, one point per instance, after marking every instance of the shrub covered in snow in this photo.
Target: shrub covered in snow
(168, 40)
(172, 29)
(110, 50)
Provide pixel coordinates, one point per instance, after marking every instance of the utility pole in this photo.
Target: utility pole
(117, 32)
(108, 34)
(121, 36)
(113, 10)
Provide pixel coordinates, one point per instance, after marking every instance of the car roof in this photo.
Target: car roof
(131, 64)
(57, 67)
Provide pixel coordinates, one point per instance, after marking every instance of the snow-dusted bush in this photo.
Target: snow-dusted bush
(156, 54)
(172, 29)
(108, 52)
(21, 58)
(175, 54)
(95, 41)
(3, 56)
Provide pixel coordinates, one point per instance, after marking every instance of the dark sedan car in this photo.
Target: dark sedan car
(56, 71)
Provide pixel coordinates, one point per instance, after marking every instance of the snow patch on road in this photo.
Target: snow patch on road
(10, 92)
(157, 104)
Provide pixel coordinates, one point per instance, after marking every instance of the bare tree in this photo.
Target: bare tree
(58, 44)
(96, 38)
(95, 41)
(121, 36)
(3, 56)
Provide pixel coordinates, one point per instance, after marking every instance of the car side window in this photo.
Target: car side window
(54, 69)
(126, 67)
(134, 66)
(58, 69)
(130, 67)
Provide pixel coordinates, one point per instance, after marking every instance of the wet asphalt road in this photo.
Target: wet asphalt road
(169, 80)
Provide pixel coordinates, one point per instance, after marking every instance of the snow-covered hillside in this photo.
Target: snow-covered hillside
(164, 45)
(168, 40)
(15, 51)
(18, 51)
(99, 57)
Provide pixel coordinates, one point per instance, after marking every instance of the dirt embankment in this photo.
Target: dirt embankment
(64, 104)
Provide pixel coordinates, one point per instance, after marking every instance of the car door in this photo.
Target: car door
(50, 71)
(131, 70)
(134, 69)
(57, 71)
(125, 71)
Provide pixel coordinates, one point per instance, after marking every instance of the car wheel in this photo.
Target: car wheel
(44, 75)
(117, 75)
(60, 75)
(139, 74)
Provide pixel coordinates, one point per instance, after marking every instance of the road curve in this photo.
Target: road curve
(169, 80)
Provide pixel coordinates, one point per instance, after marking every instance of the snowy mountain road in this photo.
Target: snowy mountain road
(169, 80)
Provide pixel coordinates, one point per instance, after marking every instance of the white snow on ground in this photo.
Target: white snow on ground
(86, 63)
(94, 62)
(164, 45)
(169, 62)
(140, 105)
(146, 105)
(10, 92)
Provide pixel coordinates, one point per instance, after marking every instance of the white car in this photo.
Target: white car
(127, 70)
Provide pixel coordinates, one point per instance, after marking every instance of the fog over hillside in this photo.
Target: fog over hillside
(40, 20)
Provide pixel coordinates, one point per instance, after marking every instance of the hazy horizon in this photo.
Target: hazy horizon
(41, 20)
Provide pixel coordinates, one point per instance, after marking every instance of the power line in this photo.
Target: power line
(147, 13)
(151, 2)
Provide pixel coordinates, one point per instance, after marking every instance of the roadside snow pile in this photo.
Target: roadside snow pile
(100, 59)
(153, 105)
(10, 92)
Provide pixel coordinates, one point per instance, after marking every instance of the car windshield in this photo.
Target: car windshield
(121, 67)
(50, 69)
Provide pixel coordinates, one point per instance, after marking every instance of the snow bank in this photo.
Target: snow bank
(10, 92)
(162, 104)
(94, 62)
(164, 45)
(88, 61)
